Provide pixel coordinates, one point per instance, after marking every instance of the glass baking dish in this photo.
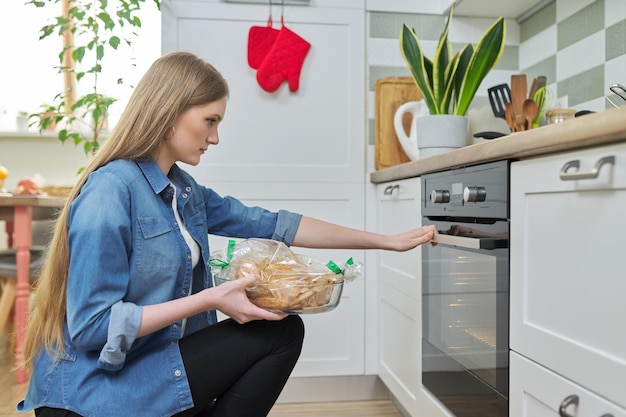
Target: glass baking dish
(294, 296)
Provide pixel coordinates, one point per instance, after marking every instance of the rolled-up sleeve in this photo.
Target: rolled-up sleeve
(286, 226)
(123, 327)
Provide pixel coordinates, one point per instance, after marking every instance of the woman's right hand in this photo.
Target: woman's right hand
(232, 300)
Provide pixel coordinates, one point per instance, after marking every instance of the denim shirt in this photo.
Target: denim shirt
(127, 251)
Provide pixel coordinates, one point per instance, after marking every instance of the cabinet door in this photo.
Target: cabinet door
(314, 134)
(399, 210)
(334, 341)
(400, 349)
(537, 392)
(567, 267)
(400, 367)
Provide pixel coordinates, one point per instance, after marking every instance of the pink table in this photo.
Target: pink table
(20, 211)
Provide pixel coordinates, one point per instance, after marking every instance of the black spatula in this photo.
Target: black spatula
(499, 95)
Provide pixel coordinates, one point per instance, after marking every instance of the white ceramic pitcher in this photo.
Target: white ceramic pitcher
(409, 142)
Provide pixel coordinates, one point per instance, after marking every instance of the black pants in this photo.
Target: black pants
(234, 369)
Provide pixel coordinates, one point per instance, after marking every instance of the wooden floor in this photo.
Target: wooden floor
(11, 393)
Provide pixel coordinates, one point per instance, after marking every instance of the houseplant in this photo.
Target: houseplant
(91, 30)
(449, 82)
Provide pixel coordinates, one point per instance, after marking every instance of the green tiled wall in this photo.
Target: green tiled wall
(586, 82)
(583, 86)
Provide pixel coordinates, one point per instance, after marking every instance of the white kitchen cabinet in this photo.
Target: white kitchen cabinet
(400, 350)
(537, 392)
(398, 211)
(333, 344)
(315, 134)
(400, 301)
(474, 8)
(400, 307)
(409, 6)
(302, 151)
(567, 268)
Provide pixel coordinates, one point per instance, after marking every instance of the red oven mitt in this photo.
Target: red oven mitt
(260, 41)
(283, 62)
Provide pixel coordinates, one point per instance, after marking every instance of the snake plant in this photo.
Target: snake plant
(449, 82)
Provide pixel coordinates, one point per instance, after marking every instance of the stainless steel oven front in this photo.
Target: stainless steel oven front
(465, 289)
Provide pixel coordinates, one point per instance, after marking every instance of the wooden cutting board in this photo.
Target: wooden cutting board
(391, 93)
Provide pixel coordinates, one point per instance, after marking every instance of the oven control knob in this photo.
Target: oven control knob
(474, 194)
(440, 196)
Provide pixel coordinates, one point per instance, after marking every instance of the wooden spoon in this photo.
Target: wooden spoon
(519, 91)
(537, 83)
(530, 111)
(520, 123)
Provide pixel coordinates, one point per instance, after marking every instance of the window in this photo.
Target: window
(28, 77)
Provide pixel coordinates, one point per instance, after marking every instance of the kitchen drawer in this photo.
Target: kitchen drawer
(398, 211)
(567, 268)
(537, 392)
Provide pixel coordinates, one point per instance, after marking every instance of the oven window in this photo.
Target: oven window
(461, 307)
(465, 313)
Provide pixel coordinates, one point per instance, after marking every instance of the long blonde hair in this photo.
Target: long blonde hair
(173, 83)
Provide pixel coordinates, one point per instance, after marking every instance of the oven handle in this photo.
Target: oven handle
(471, 242)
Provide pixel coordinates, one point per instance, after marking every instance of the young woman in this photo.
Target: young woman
(124, 321)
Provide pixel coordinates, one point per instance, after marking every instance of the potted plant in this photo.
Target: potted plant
(449, 82)
(91, 29)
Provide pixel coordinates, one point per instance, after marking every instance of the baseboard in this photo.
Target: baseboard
(334, 388)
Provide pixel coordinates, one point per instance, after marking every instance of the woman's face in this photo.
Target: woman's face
(194, 130)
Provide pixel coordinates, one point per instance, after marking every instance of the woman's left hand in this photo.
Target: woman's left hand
(412, 238)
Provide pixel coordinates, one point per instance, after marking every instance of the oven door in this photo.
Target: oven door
(465, 301)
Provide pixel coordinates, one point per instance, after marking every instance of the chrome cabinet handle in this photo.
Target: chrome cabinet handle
(607, 415)
(390, 189)
(591, 174)
(571, 400)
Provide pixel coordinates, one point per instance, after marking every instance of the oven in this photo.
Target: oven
(465, 289)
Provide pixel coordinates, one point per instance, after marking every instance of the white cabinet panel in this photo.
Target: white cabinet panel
(400, 368)
(398, 211)
(537, 392)
(400, 306)
(567, 268)
(334, 341)
(314, 134)
(302, 151)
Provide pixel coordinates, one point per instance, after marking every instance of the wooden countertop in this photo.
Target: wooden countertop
(583, 132)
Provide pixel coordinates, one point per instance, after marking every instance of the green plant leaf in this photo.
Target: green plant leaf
(62, 135)
(114, 42)
(452, 78)
(109, 24)
(441, 61)
(450, 73)
(486, 54)
(78, 53)
(465, 56)
(414, 57)
(99, 52)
